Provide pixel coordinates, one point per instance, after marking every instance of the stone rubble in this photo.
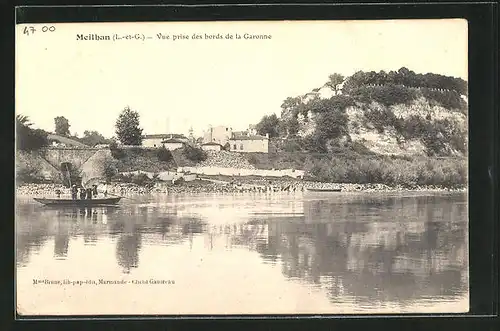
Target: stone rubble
(243, 184)
(225, 159)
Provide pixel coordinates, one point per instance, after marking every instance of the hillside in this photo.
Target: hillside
(396, 128)
(396, 113)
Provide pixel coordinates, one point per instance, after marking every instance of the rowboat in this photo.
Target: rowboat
(324, 189)
(78, 202)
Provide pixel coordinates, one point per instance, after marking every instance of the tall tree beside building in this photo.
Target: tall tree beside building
(269, 124)
(127, 127)
(62, 126)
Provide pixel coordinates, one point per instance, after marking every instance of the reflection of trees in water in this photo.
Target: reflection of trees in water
(28, 243)
(31, 234)
(131, 234)
(249, 235)
(61, 244)
(192, 225)
(396, 259)
(127, 250)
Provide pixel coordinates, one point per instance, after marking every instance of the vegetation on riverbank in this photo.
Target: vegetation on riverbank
(408, 171)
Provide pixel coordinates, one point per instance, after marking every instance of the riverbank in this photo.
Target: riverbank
(224, 185)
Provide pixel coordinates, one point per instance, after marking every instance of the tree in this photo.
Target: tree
(334, 82)
(164, 154)
(28, 139)
(62, 125)
(330, 126)
(127, 127)
(269, 124)
(289, 127)
(194, 154)
(92, 138)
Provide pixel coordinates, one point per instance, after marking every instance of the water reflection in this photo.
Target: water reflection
(361, 248)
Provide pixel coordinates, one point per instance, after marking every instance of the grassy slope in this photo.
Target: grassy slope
(145, 160)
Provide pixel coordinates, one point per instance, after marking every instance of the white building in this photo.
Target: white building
(249, 143)
(218, 134)
(158, 140)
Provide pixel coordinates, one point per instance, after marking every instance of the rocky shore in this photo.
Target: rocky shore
(256, 185)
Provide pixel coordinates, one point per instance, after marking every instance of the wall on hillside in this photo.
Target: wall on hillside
(163, 175)
(77, 156)
(32, 160)
(95, 165)
(90, 162)
(216, 171)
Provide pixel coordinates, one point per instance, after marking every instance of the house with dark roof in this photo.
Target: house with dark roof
(249, 143)
(173, 143)
(157, 140)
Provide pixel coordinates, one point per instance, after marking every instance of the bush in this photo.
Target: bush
(386, 95)
(141, 179)
(138, 150)
(447, 99)
(179, 181)
(393, 171)
(116, 152)
(110, 171)
(381, 118)
(164, 154)
(194, 154)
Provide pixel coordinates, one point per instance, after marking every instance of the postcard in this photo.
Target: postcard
(243, 167)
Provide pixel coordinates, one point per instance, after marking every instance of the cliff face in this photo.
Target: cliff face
(385, 139)
(384, 119)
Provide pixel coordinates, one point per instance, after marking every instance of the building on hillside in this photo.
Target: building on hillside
(157, 140)
(61, 141)
(211, 146)
(218, 134)
(248, 143)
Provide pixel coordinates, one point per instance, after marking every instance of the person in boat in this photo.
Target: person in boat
(58, 193)
(105, 189)
(89, 193)
(83, 193)
(74, 192)
(94, 190)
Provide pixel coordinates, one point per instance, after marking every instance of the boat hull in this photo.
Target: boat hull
(78, 202)
(324, 190)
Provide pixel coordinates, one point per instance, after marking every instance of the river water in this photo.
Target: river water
(313, 253)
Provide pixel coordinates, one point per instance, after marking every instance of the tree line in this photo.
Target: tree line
(407, 78)
(127, 130)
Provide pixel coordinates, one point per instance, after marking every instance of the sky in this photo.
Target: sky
(178, 84)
